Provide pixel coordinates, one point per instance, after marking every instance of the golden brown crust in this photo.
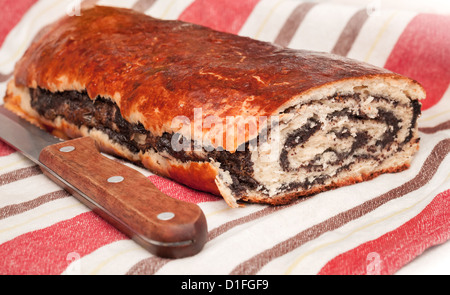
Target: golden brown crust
(196, 175)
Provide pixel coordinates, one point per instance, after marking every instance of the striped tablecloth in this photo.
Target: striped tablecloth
(375, 227)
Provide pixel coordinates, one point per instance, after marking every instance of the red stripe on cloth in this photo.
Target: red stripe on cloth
(181, 192)
(50, 250)
(391, 251)
(221, 15)
(422, 53)
(12, 12)
(5, 149)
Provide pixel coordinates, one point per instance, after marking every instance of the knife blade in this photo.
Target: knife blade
(121, 195)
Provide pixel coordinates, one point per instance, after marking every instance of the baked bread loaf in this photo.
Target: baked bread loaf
(240, 118)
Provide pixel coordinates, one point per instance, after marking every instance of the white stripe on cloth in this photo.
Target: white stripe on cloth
(41, 217)
(26, 189)
(322, 27)
(379, 35)
(168, 9)
(13, 162)
(218, 213)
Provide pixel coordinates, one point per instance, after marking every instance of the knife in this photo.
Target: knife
(121, 195)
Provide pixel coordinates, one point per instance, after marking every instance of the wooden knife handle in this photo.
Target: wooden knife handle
(165, 226)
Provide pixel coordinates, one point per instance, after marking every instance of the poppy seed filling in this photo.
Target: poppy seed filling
(380, 132)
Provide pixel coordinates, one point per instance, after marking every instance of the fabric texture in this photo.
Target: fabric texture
(374, 227)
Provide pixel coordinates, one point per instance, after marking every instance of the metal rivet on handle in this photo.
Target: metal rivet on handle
(67, 148)
(115, 179)
(165, 216)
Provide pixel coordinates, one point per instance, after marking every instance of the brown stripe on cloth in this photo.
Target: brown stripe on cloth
(15, 209)
(152, 264)
(443, 126)
(350, 32)
(19, 174)
(292, 23)
(143, 5)
(148, 266)
(429, 168)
